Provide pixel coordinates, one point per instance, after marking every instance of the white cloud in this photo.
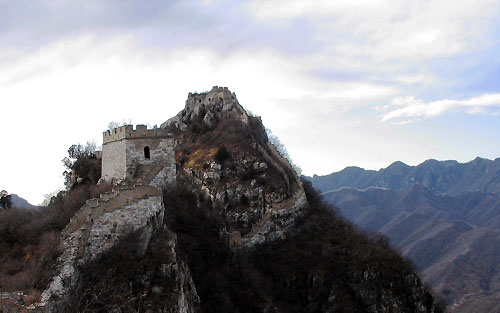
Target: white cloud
(418, 78)
(68, 92)
(312, 69)
(410, 107)
(288, 9)
(386, 29)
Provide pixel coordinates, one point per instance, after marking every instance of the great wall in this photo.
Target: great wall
(140, 163)
(251, 198)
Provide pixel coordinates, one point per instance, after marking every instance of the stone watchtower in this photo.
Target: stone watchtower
(129, 154)
(142, 161)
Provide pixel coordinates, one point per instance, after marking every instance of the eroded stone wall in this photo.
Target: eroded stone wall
(161, 154)
(145, 215)
(114, 161)
(98, 226)
(219, 103)
(134, 207)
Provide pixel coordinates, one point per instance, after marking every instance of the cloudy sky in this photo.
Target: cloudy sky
(354, 82)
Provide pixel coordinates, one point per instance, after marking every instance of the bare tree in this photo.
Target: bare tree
(81, 165)
(5, 199)
(275, 141)
(115, 124)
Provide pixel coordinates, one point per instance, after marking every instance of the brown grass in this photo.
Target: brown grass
(29, 239)
(199, 157)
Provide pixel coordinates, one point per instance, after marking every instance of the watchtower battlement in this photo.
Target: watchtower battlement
(126, 150)
(128, 132)
(212, 97)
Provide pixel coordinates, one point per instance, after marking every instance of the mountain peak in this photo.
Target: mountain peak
(208, 198)
(397, 165)
(442, 177)
(479, 160)
(209, 107)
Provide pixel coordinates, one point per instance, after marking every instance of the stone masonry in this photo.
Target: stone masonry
(218, 103)
(254, 214)
(125, 150)
(139, 163)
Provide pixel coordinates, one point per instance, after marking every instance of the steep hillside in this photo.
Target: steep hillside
(290, 252)
(225, 156)
(237, 231)
(453, 238)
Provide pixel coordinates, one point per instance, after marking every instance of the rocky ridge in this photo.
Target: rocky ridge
(133, 207)
(441, 177)
(238, 232)
(254, 211)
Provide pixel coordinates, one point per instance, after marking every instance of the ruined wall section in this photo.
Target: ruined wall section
(253, 211)
(142, 162)
(98, 226)
(216, 104)
(144, 215)
(162, 159)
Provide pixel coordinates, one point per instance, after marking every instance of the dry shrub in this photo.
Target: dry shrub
(32, 297)
(29, 239)
(282, 274)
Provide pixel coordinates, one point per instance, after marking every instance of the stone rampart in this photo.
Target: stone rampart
(275, 164)
(143, 162)
(218, 103)
(145, 214)
(98, 226)
(128, 132)
(276, 223)
(209, 98)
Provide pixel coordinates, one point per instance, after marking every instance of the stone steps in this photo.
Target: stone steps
(107, 202)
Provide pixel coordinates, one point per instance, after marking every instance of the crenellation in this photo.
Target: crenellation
(128, 152)
(128, 131)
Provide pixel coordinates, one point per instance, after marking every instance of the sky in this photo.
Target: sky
(341, 83)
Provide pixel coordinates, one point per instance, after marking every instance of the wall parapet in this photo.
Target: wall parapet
(128, 132)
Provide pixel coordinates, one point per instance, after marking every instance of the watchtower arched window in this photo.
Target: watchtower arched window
(146, 153)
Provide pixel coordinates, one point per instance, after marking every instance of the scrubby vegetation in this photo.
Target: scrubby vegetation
(5, 200)
(121, 279)
(326, 264)
(280, 147)
(82, 166)
(29, 238)
(328, 256)
(221, 281)
(222, 154)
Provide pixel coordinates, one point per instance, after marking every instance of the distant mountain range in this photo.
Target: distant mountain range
(444, 215)
(19, 202)
(440, 177)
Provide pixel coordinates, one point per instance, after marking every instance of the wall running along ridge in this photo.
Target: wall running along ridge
(133, 206)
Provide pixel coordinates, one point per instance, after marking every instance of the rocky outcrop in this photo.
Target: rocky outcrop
(103, 223)
(239, 232)
(98, 226)
(237, 185)
(185, 299)
(210, 106)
